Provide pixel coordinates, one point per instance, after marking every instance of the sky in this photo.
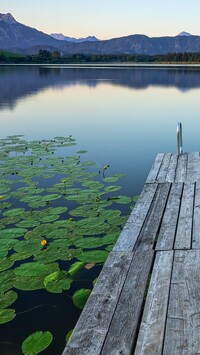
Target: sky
(107, 19)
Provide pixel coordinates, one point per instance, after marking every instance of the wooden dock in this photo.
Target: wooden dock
(147, 297)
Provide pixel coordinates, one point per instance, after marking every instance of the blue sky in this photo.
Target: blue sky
(107, 18)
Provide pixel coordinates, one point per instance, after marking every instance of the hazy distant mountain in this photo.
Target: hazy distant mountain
(184, 34)
(19, 38)
(61, 37)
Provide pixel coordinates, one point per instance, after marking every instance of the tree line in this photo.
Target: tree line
(45, 56)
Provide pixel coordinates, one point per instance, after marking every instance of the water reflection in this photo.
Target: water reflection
(18, 82)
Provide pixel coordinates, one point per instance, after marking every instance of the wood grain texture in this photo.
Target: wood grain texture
(183, 319)
(155, 168)
(181, 171)
(150, 229)
(168, 227)
(184, 230)
(193, 167)
(131, 230)
(90, 331)
(123, 329)
(164, 168)
(171, 172)
(196, 219)
(152, 328)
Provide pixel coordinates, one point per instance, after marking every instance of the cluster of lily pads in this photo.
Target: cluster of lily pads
(53, 207)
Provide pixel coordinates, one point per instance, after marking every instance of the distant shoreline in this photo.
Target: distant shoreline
(107, 65)
(124, 60)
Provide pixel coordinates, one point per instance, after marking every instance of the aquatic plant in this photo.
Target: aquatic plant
(55, 208)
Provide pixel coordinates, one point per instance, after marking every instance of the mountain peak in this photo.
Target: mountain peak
(7, 18)
(61, 37)
(184, 34)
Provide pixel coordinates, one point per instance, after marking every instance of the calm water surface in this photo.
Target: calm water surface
(122, 116)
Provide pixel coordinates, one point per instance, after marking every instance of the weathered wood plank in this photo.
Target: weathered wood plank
(171, 173)
(183, 319)
(193, 167)
(168, 227)
(90, 331)
(151, 333)
(150, 229)
(184, 230)
(196, 219)
(181, 170)
(164, 168)
(123, 329)
(155, 168)
(131, 231)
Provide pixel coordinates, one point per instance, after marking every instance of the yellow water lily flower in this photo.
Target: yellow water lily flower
(1, 197)
(44, 242)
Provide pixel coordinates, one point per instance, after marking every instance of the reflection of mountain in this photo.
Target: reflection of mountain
(18, 82)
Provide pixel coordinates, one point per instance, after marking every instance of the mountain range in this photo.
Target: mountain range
(19, 38)
(62, 37)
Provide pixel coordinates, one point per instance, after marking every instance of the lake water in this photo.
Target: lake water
(123, 116)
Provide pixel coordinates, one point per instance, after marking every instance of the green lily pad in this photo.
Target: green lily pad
(80, 297)
(6, 263)
(94, 256)
(14, 212)
(27, 283)
(74, 268)
(12, 232)
(6, 315)
(58, 281)
(51, 197)
(36, 343)
(7, 278)
(68, 335)
(7, 299)
(35, 269)
(121, 199)
(30, 246)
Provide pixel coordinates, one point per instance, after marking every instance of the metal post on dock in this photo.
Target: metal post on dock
(179, 138)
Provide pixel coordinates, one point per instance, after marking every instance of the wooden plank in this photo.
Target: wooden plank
(90, 331)
(184, 230)
(183, 319)
(131, 231)
(155, 168)
(151, 333)
(196, 219)
(193, 167)
(151, 226)
(164, 168)
(181, 170)
(171, 173)
(168, 227)
(123, 330)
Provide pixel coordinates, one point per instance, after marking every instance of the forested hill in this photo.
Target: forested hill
(45, 56)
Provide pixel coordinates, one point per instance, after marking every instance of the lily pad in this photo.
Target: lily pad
(14, 212)
(68, 335)
(35, 269)
(74, 268)
(36, 342)
(6, 263)
(6, 315)
(80, 297)
(7, 299)
(13, 232)
(58, 281)
(94, 256)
